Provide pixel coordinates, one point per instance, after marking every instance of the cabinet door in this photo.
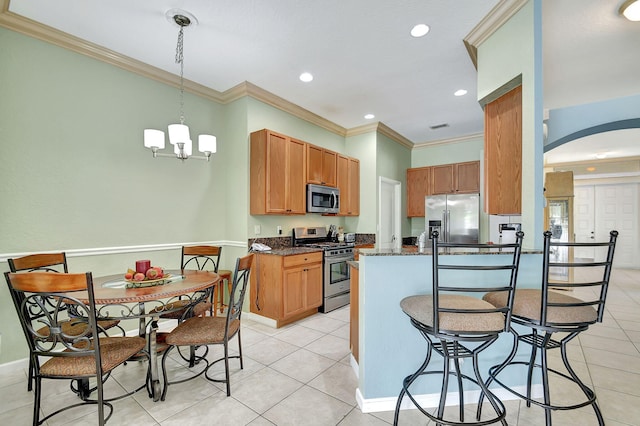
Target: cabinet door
(343, 183)
(313, 285)
(314, 164)
(329, 167)
(418, 187)
(354, 187)
(467, 177)
(442, 179)
(503, 154)
(277, 173)
(293, 297)
(295, 188)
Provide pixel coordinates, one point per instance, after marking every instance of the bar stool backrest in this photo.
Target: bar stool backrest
(593, 274)
(498, 274)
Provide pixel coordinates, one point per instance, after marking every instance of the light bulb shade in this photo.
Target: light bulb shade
(631, 10)
(153, 138)
(179, 133)
(187, 149)
(207, 143)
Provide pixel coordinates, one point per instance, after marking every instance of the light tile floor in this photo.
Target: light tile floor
(300, 375)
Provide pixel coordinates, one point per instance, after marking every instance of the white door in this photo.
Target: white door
(616, 207)
(389, 214)
(583, 220)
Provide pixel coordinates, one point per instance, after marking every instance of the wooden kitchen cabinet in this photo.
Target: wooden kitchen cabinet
(321, 166)
(442, 179)
(418, 187)
(277, 174)
(348, 179)
(503, 154)
(456, 178)
(286, 288)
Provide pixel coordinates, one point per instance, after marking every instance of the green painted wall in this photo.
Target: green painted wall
(516, 49)
(364, 148)
(393, 160)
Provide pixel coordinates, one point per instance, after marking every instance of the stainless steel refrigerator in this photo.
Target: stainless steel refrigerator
(455, 217)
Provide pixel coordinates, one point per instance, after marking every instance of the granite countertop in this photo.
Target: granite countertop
(354, 263)
(413, 251)
(290, 251)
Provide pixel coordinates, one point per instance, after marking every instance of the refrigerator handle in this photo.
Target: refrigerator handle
(447, 225)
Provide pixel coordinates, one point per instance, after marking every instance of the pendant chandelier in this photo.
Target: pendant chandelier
(179, 135)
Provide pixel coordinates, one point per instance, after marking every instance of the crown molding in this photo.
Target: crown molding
(449, 141)
(500, 14)
(383, 129)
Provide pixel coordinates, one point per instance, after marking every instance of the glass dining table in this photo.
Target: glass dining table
(117, 298)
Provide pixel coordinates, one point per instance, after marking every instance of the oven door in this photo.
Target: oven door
(337, 278)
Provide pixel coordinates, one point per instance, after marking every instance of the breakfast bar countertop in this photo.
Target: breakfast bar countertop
(414, 251)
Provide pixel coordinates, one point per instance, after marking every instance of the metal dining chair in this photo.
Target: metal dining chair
(55, 262)
(213, 330)
(41, 300)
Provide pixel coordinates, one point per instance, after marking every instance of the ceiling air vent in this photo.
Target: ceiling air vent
(438, 126)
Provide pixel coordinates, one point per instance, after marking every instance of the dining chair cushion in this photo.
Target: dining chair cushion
(420, 308)
(113, 352)
(76, 327)
(201, 330)
(527, 306)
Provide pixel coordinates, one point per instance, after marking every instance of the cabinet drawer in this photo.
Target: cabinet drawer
(301, 259)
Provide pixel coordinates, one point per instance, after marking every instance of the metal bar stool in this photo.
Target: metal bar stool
(456, 325)
(548, 312)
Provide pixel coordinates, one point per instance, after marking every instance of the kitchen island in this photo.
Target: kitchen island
(389, 348)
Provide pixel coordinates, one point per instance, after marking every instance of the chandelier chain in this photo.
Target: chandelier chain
(180, 60)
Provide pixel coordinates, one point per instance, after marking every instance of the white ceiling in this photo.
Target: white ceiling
(361, 54)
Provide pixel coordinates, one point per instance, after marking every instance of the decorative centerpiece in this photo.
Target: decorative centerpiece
(145, 274)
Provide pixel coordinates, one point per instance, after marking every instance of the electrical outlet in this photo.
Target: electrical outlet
(256, 229)
(279, 230)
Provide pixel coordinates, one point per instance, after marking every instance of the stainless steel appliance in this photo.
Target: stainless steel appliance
(322, 199)
(336, 273)
(455, 217)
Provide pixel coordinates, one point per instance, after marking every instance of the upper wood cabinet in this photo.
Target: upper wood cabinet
(442, 179)
(418, 187)
(457, 178)
(349, 185)
(321, 166)
(277, 175)
(503, 154)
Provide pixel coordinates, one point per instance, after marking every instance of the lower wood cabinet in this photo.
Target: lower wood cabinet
(286, 288)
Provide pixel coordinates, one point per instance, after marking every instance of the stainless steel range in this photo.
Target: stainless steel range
(336, 276)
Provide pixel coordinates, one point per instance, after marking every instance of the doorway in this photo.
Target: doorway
(389, 214)
(602, 208)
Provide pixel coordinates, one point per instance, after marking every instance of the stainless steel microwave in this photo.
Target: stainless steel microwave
(322, 199)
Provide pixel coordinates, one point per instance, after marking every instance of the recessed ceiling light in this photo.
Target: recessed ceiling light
(420, 30)
(369, 116)
(591, 169)
(631, 10)
(601, 155)
(460, 92)
(306, 77)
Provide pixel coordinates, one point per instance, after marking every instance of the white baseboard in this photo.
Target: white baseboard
(374, 405)
(260, 319)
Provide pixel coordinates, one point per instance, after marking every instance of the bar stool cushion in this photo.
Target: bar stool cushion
(527, 305)
(420, 308)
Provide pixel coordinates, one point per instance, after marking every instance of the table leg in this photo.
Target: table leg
(153, 359)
